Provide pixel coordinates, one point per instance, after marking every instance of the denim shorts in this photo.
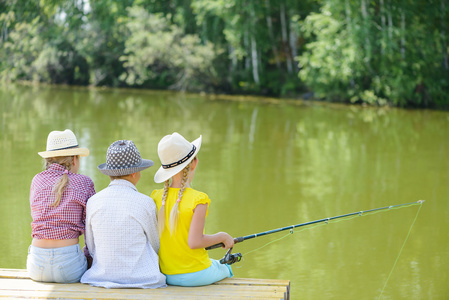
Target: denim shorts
(62, 265)
(214, 273)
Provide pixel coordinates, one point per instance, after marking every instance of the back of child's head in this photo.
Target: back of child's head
(174, 213)
(176, 155)
(60, 186)
(62, 147)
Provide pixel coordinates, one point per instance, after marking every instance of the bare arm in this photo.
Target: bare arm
(197, 239)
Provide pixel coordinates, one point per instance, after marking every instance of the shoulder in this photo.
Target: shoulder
(38, 175)
(40, 178)
(156, 194)
(82, 184)
(132, 197)
(84, 179)
(198, 197)
(143, 197)
(139, 204)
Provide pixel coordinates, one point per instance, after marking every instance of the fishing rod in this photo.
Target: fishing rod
(232, 258)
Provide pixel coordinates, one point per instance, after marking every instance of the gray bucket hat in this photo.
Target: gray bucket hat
(123, 158)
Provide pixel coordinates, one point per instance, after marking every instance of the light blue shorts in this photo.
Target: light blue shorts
(63, 265)
(214, 273)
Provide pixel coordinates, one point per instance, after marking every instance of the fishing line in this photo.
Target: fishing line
(288, 234)
(400, 251)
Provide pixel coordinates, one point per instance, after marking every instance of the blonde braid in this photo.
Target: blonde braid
(60, 186)
(174, 214)
(161, 213)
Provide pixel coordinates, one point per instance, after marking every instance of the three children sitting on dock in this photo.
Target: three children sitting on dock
(123, 231)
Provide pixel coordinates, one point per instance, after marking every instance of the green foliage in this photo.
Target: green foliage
(19, 52)
(375, 52)
(29, 54)
(329, 60)
(378, 53)
(155, 48)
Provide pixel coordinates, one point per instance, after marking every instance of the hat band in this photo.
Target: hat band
(180, 161)
(63, 148)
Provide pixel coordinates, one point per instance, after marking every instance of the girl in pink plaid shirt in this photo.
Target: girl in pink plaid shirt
(58, 198)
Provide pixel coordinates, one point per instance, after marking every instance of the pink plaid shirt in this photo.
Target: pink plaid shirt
(67, 220)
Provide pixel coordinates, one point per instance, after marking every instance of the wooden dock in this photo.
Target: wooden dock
(16, 284)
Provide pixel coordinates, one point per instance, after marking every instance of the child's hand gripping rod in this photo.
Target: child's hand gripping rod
(242, 238)
(236, 240)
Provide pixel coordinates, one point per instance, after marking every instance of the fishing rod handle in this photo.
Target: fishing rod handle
(219, 245)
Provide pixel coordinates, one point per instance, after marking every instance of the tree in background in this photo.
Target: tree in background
(260, 38)
(156, 49)
(376, 52)
(40, 46)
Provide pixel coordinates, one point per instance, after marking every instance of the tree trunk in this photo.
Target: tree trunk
(254, 60)
(285, 38)
(4, 35)
(350, 31)
(390, 24)
(366, 26)
(246, 47)
(348, 15)
(294, 50)
(233, 64)
(271, 34)
(382, 24)
(402, 34)
(443, 35)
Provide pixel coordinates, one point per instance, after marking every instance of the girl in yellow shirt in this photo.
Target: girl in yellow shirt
(182, 256)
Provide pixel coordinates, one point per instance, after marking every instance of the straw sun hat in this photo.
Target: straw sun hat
(175, 153)
(123, 158)
(63, 143)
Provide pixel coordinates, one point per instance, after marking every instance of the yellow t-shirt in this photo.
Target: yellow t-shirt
(175, 255)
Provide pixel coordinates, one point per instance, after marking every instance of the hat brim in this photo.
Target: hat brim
(165, 174)
(144, 164)
(65, 152)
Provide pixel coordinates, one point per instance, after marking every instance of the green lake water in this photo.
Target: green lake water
(265, 164)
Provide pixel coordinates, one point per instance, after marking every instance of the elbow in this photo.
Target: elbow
(193, 244)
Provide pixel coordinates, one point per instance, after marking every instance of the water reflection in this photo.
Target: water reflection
(265, 164)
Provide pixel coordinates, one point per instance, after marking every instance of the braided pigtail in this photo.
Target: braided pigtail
(161, 213)
(174, 214)
(60, 186)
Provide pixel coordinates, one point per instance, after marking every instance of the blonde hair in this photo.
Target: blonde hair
(174, 213)
(60, 186)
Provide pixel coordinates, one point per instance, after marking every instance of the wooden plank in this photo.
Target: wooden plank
(26, 284)
(22, 273)
(23, 284)
(14, 273)
(254, 281)
(15, 283)
(14, 287)
(119, 295)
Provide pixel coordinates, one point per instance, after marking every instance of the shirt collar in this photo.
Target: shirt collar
(56, 167)
(123, 182)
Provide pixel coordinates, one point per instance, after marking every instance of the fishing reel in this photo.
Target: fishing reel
(231, 258)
